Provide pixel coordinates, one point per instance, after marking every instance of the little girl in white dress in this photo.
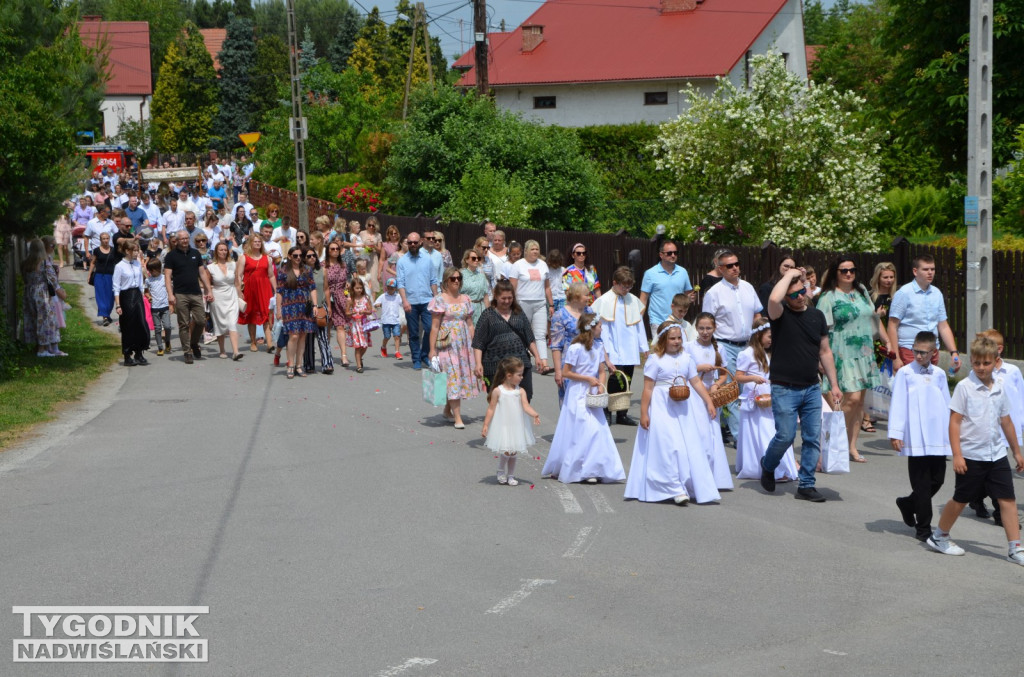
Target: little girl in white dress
(583, 448)
(510, 434)
(708, 356)
(757, 424)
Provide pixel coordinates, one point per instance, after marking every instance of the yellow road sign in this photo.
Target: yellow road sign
(250, 140)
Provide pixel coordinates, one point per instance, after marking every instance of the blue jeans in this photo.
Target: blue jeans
(732, 420)
(419, 346)
(787, 404)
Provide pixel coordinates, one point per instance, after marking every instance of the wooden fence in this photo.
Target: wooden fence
(607, 251)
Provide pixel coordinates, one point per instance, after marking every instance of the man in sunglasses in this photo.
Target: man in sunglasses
(417, 285)
(799, 344)
(735, 305)
(662, 282)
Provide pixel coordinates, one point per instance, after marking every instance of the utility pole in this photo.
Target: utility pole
(978, 203)
(480, 40)
(297, 123)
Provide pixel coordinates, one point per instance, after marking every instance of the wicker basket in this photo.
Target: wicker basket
(728, 393)
(764, 401)
(679, 393)
(619, 401)
(597, 400)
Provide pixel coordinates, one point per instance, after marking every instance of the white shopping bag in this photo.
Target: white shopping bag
(877, 400)
(835, 448)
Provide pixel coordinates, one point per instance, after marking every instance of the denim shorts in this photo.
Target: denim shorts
(391, 330)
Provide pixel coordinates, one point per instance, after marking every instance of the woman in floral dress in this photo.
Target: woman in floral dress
(849, 313)
(452, 310)
(296, 294)
(40, 323)
(335, 296)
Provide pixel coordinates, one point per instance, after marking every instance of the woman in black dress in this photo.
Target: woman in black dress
(504, 330)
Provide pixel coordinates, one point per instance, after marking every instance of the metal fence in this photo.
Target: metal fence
(758, 263)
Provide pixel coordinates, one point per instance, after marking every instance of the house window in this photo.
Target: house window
(544, 102)
(746, 68)
(655, 98)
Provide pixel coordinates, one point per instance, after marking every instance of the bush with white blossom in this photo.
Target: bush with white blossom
(785, 160)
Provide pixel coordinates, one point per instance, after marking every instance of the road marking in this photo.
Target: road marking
(411, 663)
(569, 502)
(581, 544)
(600, 502)
(835, 653)
(529, 585)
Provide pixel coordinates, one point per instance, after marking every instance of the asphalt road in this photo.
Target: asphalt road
(337, 525)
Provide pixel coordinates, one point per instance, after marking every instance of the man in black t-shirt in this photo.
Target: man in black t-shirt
(799, 344)
(184, 272)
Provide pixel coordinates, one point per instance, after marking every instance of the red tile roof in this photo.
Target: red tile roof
(811, 55)
(616, 40)
(214, 39)
(128, 57)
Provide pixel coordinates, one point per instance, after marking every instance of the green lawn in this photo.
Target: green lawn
(40, 387)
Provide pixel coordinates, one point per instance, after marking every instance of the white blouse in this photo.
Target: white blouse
(127, 275)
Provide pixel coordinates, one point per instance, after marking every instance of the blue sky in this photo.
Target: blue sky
(452, 20)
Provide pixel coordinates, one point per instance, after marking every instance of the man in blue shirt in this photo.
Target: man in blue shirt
(661, 283)
(136, 213)
(217, 194)
(417, 285)
(918, 307)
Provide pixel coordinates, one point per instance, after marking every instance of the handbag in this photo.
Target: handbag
(444, 338)
(242, 305)
(435, 387)
(835, 447)
(320, 315)
(50, 289)
(619, 401)
(728, 393)
(679, 393)
(371, 323)
(597, 400)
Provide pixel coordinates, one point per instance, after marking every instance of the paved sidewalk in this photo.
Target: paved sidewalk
(338, 525)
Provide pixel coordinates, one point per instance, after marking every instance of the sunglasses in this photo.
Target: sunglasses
(414, 243)
(295, 256)
(797, 294)
(579, 253)
(200, 241)
(847, 271)
(671, 253)
(727, 266)
(430, 239)
(457, 278)
(310, 256)
(472, 258)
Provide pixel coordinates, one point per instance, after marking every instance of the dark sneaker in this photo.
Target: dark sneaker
(128, 361)
(141, 359)
(903, 503)
(188, 358)
(197, 352)
(809, 494)
(980, 510)
(768, 480)
(622, 418)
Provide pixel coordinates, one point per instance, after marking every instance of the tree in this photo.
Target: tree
(137, 135)
(270, 77)
(185, 101)
(325, 18)
(450, 134)
(238, 63)
(50, 86)
(307, 52)
(344, 40)
(779, 161)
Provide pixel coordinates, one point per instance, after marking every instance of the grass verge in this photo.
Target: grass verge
(39, 387)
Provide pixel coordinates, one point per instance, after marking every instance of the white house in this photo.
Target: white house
(129, 89)
(589, 62)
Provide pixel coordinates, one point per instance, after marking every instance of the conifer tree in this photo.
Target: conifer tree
(237, 68)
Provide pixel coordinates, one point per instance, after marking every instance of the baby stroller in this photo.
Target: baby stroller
(79, 245)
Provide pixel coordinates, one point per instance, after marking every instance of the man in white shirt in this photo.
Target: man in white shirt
(173, 220)
(201, 200)
(152, 211)
(284, 236)
(185, 202)
(272, 248)
(735, 305)
(98, 225)
(243, 199)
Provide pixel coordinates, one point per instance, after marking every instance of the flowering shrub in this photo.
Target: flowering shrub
(783, 160)
(359, 199)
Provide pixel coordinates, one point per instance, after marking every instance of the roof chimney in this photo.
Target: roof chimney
(670, 6)
(533, 35)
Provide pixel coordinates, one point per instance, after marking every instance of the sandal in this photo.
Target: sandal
(867, 427)
(253, 348)
(299, 372)
(858, 459)
(290, 372)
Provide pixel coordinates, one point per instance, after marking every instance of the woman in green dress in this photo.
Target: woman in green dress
(474, 282)
(849, 313)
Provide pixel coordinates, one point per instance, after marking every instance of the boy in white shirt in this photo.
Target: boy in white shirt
(391, 311)
(1013, 383)
(979, 410)
(919, 430)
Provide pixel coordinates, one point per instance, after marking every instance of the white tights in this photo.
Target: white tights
(509, 461)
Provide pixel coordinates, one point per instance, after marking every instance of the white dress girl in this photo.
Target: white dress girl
(712, 433)
(583, 446)
(510, 431)
(757, 426)
(669, 458)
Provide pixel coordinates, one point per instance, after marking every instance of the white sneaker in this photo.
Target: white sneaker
(681, 499)
(1017, 556)
(591, 480)
(512, 481)
(502, 478)
(945, 546)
